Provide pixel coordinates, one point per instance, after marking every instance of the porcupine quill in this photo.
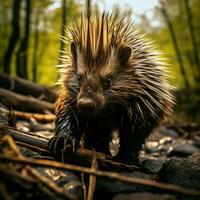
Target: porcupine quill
(113, 81)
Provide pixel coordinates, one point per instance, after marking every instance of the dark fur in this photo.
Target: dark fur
(128, 94)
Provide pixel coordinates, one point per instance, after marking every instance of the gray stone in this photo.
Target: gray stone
(151, 146)
(66, 180)
(168, 132)
(182, 171)
(144, 196)
(166, 140)
(153, 165)
(183, 150)
(106, 186)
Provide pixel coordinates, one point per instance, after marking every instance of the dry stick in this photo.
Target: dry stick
(42, 143)
(26, 137)
(107, 174)
(104, 174)
(12, 145)
(84, 187)
(45, 181)
(4, 193)
(92, 181)
(34, 148)
(50, 185)
(17, 176)
(21, 179)
(39, 117)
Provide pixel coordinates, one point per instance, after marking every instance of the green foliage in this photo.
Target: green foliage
(178, 17)
(49, 14)
(50, 40)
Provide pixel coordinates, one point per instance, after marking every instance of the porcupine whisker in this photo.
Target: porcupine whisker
(116, 102)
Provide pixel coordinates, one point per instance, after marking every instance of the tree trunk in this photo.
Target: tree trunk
(88, 8)
(22, 53)
(192, 33)
(35, 47)
(14, 36)
(63, 23)
(3, 33)
(175, 44)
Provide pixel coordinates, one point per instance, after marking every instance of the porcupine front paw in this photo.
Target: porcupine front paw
(61, 143)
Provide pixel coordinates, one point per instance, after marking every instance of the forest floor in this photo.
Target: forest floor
(169, 162)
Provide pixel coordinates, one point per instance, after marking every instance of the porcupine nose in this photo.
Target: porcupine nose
(86, 103)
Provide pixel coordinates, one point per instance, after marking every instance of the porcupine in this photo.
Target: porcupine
(113, 81)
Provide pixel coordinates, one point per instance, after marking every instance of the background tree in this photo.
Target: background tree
(38, 19)
(37, 50)
(63, 24)
(192, 33)
(35, 45)
(5, 18)
(88, 8)
(14, 36)
(22, 52)
(174, 41)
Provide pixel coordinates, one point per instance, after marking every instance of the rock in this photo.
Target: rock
(108, 187)
(182, 150)
(144, 196)
(182, 171)
(165, 140)
(196, 140)
(23, 125)
(151, 146)
(152, 165)
(168, 132)
(66, 180)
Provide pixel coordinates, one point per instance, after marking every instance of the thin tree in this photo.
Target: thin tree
(4, 30)
(88, 8)
(192, 33)
(22, 52)
(63, 24)
(35, 46)
(175, 44)
(14, 36)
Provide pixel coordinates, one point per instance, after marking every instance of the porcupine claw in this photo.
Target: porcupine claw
(60, 143)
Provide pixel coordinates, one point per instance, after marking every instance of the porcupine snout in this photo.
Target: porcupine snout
(86, 101)
(86, 105)
(90, 101)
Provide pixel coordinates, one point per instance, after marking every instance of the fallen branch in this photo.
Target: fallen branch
(39, 117)
(92, 179)
(4, 193)
(25, 103)
(24, 137)
(26, 87)
(83, 156)
(105, 174)
(34, 173)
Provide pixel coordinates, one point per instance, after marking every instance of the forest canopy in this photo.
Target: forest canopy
(30, 36)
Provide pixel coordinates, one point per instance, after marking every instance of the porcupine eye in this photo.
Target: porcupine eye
(107, 82)
(80, 78)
